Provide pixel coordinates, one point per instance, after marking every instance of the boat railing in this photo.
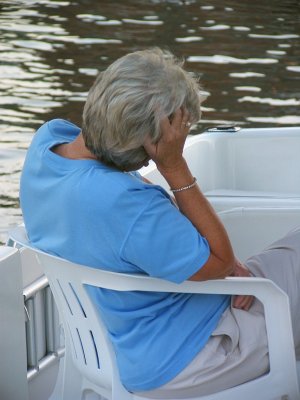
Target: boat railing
(44, 333)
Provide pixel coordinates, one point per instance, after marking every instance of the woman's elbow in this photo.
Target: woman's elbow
(215, 268)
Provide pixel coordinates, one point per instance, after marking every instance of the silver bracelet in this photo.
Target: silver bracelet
(185, 187)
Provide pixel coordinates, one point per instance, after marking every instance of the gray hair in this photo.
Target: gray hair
(128, 100)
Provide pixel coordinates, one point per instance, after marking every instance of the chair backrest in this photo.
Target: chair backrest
(91, 349)
(92, 353)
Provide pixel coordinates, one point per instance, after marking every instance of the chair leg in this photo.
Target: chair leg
(57, 392)
(69, 382)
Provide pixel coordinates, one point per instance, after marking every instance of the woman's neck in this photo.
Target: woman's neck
(75, 150)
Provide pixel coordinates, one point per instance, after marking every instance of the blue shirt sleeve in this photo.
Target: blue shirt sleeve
(163, 243)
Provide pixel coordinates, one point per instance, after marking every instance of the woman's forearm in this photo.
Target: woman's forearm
(193, 204)
(167, 153)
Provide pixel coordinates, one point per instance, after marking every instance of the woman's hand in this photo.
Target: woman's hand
(243, 302)
(167, 152)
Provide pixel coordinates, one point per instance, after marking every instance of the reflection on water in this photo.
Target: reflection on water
(246, 53)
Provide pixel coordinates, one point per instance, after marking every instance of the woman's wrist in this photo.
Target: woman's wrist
(176, 171)
(186, 187)
(177, 175)
(173, 168)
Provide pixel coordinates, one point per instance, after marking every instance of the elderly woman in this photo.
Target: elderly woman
(82, 201)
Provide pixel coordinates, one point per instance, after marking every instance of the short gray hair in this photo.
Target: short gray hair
(128, 100)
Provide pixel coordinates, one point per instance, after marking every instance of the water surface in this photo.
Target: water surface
(247, 55)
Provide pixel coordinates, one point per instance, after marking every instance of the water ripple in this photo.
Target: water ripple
(141, 21)
(98, 19)
(12, 26)
(90, 17)
(276, 52)
(261, 36)
(88, 71)
(11, 71)
(241, 28)
(218, 27)
(110, 22)
(42, 102)
(78, 40)
(247, 74)
(294, 68)
(221, 59)
(248, 88)
(270, 101)
(33, 44)
(189, 39)
(18, 56)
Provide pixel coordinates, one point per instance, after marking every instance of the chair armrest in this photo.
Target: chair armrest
(274, 300)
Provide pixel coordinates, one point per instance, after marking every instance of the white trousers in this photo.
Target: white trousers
(237, 351)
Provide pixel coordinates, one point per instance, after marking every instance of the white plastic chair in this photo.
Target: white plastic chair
(90, 363)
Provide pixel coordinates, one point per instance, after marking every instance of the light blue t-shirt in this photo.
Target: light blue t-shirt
(93, 214)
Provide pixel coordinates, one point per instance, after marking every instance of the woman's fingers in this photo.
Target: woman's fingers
(167, 151)
(243, 302)
(178, 127)
(177, 119)
(180, 121)
(165, 127)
